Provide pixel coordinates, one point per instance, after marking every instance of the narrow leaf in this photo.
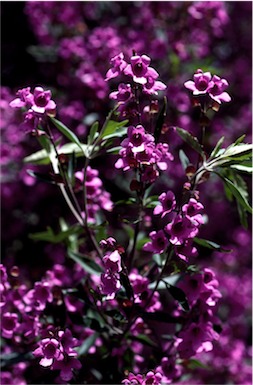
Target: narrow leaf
(210, 244)
(144, 339)
(191, 140)
(217, 147)
(66, 132)
(93, 131)
(179, 295)
(112, 128)
(86, 263)
(184, 159)
(238, 194)
(39, 157)
(87, 344)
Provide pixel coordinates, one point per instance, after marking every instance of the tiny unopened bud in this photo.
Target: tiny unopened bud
(215, 106)
(190, 171)
(135, 185)
(63, 159)
(14, 272)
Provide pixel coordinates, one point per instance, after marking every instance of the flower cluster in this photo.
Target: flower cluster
(180, 230)
(205, 84)
(37, 104)
(110, 280)
(57, 353)
(199, 331)
(140, 153)
(97, 197)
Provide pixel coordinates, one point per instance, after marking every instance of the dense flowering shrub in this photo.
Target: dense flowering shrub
(145, 276)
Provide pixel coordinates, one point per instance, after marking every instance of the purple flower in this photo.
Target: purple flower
(139, 69)
(25, 98)
(204, 83)
(152, 86)
(112, 262)
(180, 229)
(200, 84)
(151, 378)
(192, 209)
(168, 203)
(216, 91)
(66, 366)
(9, 324)
(195, 339)
(158, 242)
(118, 64)
(110, 284)
(123, 95)
(50, 350)
(42, 102)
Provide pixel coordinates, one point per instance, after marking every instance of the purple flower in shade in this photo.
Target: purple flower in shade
(169, 369)
(112, 262)
(68, 342)
(163, 156)
(108, 244)
(142, 292)
(66, 366)
(180, 229)
(124, 93)
(158, 242)
(186, 250)
(150, 173)
(9, 324)
(200, 84)
(152, 86)
(110, 284)
(216, 91)
(118, 65)
(24, 99)
(192, 210)
(137, 138)
(195, 339)
(168, 204)
(42, 102)
(38, 297)
(139, 69)
(50, 350)
(151, 378)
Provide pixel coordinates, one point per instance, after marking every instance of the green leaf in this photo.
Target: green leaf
(242, 168)
(86, 263)
(217, 147)
(239, 140)
(69, 148)
(160, 316)
(184, 159)
(45, 142)
(160, 120)
(191, 140)
(238, 193)
(71, 169)
(125, 282)
(66, 132)
(210, 245)
(42, 177)
(50, 236)
(196, 364)
(144, 339)
(87, 344)
(114, 129)
(179, 295)
(39, 157)
(92, 133)
(240, 149)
